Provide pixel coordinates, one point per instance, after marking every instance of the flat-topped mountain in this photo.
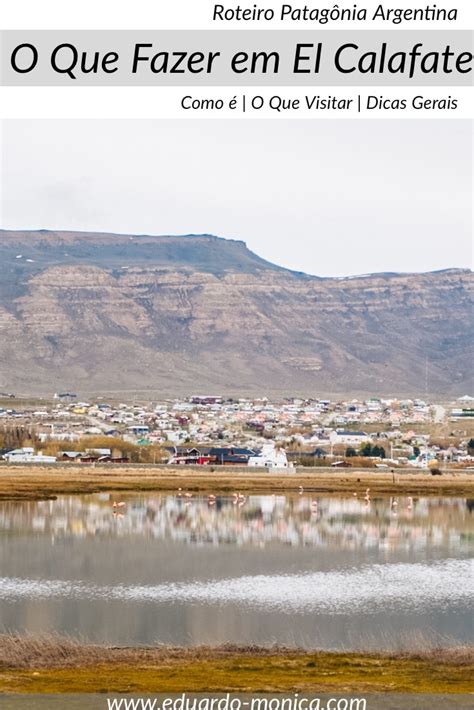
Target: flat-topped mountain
(180, 314)
(199, 252)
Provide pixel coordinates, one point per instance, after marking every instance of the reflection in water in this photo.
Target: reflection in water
(346, 522)
(316, 572)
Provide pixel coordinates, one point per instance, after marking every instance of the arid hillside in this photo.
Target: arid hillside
(191, 314)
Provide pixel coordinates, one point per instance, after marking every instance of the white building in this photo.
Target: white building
(270, 457)
(27, 455)
(348, 438)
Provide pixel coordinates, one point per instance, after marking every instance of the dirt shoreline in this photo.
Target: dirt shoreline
(45, 482)
(54, 665)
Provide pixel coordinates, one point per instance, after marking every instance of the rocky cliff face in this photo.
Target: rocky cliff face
(175, 315)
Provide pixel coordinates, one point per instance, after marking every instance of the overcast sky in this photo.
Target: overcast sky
(326, 197)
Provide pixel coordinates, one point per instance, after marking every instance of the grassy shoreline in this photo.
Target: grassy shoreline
(45, 482)
(54, 665)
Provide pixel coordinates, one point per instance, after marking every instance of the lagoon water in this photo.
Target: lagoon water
(325, 572)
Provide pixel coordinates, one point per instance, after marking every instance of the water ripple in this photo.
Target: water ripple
(369, 589)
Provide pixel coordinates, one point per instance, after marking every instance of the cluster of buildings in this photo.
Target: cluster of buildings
(28, 454)
(256, 432)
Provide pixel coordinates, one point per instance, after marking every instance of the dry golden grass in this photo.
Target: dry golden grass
(53, 651)
(57, 665)
(39, 482)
